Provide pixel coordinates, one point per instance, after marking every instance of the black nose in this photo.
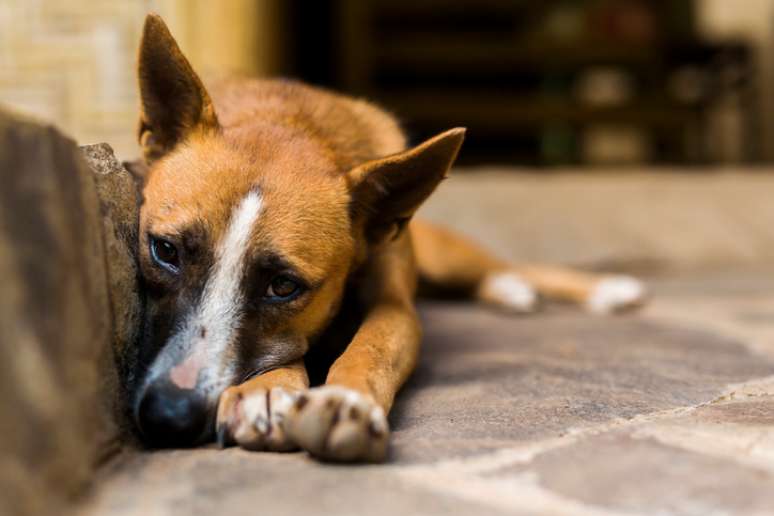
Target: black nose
(171, 417)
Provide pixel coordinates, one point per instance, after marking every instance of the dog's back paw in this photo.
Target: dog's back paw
(614, 294)
(509, 291)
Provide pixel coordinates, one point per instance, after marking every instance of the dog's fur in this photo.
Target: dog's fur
(274, 178)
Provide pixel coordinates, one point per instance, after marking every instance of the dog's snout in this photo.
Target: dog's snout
(169, 416)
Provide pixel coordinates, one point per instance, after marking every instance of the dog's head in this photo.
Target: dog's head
(247, 240)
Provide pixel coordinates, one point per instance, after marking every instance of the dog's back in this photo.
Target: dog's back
(354, 131)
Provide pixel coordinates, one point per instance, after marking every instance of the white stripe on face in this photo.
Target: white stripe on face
(209, 331)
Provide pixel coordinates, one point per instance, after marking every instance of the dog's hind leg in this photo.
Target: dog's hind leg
(451, 264)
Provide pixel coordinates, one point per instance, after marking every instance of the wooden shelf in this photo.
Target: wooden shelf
(514, 74)
(487, 51)
(504, 111)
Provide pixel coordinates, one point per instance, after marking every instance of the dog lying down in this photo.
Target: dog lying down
(278, 251)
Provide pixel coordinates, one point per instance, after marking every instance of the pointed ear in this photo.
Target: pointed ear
(172, 97)
(386, 192)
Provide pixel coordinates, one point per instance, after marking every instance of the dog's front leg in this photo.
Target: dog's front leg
(251, 414)
(346, 419)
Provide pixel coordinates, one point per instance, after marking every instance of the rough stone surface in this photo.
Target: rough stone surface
(119, 204)
(69, 307)
(55, 320)
(665, 412)
(538, 377)
(642, 475)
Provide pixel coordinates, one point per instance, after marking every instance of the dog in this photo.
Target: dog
(281, 261)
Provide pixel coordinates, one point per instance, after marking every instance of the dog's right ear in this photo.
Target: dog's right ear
(173, 99)
(386, 192)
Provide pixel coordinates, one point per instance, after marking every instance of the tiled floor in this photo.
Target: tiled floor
(669, 411)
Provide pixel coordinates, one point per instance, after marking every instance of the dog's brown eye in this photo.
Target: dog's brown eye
(282, 288)
(165, 254)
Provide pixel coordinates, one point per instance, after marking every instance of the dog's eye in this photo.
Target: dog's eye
(282, 288)
(165, 254)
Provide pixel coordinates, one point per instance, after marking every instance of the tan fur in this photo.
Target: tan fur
(470, 264)
(338, 187)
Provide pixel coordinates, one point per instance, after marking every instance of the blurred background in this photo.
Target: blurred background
(538, 83)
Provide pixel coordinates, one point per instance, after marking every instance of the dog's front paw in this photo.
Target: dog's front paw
(253, 418)
(338, 424)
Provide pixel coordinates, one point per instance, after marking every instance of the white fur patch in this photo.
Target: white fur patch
(509, 290)
(210, 329)
(615, 293)
(221, 304)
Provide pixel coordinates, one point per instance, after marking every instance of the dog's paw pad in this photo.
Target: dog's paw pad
(615, 294)
(254, 419)
(338, 424)
(508, 290)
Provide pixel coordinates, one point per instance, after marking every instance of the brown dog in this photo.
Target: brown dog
(275, 244)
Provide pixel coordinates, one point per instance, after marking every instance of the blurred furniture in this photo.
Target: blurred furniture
(555, 82)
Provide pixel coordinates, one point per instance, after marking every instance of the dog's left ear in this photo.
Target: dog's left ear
(387, 192)
(174, 102)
